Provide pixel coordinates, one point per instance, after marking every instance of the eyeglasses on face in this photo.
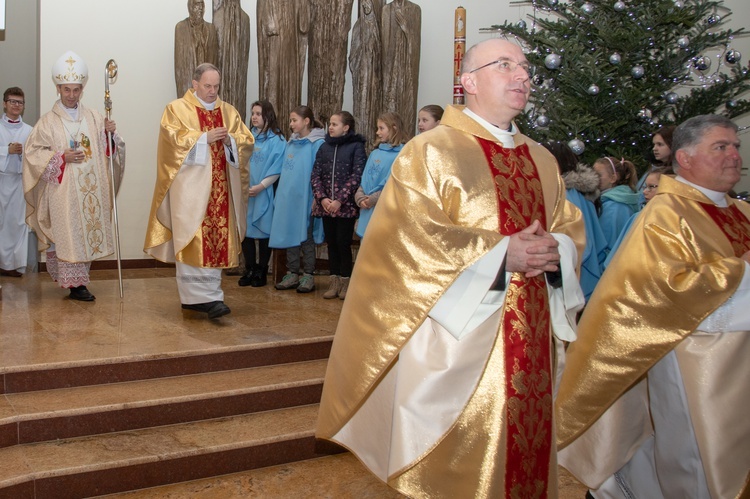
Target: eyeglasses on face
(648, 187)
(14, 102)
(507, 66)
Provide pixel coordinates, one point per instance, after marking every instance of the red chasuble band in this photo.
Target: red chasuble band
(215, 226)
(526, 330)
(733, 224)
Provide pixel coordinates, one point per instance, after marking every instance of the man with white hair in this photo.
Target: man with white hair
(199, 208)
(66, 179)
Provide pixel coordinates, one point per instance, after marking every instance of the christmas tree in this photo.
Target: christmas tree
(610, 73)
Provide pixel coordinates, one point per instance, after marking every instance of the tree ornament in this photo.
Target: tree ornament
(644, 114)
(537, 79)
(552, 3)
(713, 19)
(552, 61)
(731, 104)
(542, 121)
(702, 63)
(587, 8)
(732, 56)
(615, 59)
(679, 4)
(593, 90)
(521, 24)
(671, 98)
(619, 6)
(576, 146)
(638, 72)
(683, 42)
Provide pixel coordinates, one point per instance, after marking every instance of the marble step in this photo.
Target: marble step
(118, 462)
(336, 477)
(73, 412)
(48, 376)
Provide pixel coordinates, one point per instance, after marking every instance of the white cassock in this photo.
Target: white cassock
(14, 233)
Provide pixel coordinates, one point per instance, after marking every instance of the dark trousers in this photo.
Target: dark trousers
(248, 251)
(339, 233)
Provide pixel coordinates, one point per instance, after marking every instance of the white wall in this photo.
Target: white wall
(139, 35)
(19, 54)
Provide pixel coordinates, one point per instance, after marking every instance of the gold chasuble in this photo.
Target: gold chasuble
(484, 424)
(688, 264)
(198, 213)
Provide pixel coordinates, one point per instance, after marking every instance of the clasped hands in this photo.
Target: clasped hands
(220, 133)
(532, 251)
(330, 206)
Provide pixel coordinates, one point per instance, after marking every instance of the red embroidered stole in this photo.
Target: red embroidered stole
(525, 330)
(215, 226)
(734, 224)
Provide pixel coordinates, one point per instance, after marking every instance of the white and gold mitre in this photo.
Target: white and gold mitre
(70, 68)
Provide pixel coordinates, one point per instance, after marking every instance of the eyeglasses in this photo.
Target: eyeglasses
(508, 66)
(648, 187)
(14, 102)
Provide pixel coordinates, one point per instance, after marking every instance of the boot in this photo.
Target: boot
(247, 279)
(260, 276)
(334, 284)
(344, 287)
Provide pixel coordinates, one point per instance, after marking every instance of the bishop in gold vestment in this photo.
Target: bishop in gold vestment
(653, 400)
(66, 179)
(200, 200)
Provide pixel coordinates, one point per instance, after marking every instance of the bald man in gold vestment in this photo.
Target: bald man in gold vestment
(198, 213)
(653, 400)
(442, 370)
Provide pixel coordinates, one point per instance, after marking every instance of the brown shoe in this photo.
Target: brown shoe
(10, 273)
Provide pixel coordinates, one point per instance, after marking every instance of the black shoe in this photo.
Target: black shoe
(246, 280)
(260, 277)
(214, 309)
(81, 293)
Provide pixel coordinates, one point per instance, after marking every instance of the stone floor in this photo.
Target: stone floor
(41, 327)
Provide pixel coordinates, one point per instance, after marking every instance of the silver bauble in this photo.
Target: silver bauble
(521, 24)
(552, 3)
(587, 8)
(713, 19)
(577, 146)
(645, 114)
(542, 121)
(620, 6)
(615, 59)
(552, 61)
(537, 79)
(671, 98)
(638, 72)
(731, 104)
(593, 90)
(679, 4)
(702, 63)
(683, 42)
(732, 56)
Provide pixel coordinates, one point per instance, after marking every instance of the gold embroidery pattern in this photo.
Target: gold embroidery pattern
(215, 227)
(91, 208)
(525, 329)
(733, 224)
